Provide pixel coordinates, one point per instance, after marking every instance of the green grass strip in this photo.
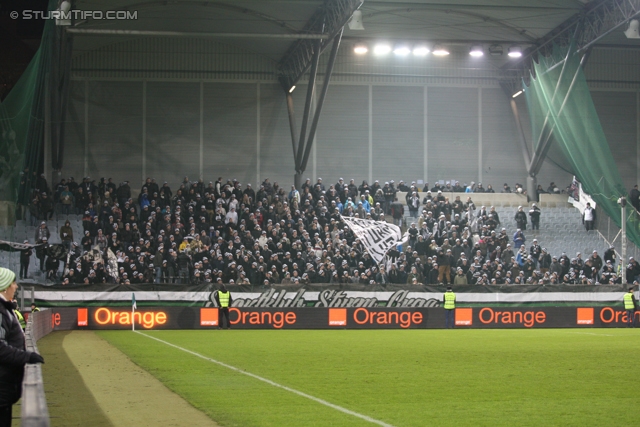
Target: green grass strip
(404, 378)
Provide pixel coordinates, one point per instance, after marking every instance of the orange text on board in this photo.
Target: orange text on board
(147, 319)
(527, 318)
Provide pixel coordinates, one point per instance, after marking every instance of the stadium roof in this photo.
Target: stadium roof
(269, 27)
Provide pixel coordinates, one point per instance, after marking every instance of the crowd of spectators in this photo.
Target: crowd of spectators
(223, 232)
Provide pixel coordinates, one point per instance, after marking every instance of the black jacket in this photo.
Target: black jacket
(13, 355)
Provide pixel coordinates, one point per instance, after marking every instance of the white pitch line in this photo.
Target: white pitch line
(591, 333)
(275, 384)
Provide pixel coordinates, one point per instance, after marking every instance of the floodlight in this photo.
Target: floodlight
(420, 51)
(356, 21)
(382, 49)
(515, 52)
(360, 49)
(476, 51)
(402, 50)
(439, 50)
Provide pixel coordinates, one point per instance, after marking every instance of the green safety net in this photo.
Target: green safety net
(22, 135)
(561, 108)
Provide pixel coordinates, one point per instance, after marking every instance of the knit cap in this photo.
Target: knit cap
(7, 277)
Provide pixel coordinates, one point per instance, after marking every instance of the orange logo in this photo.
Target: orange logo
(277, 319)
(208, 317)
(610, 315)
(464, 316)
(405, 319)
(585, 316)
(148, 319)
(83, 317)
(528, 318)
(337, 317)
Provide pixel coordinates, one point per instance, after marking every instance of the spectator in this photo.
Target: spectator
(66, 235)
(460, 278)
(534, 213)
(596, 261)
(610, 255)
(518, 239)
(545, 260)
(25, 257)
(634, 197)
(413, 203)
(41, 252)
(470, 188)
(589, 217)
(633, 270)
(42, 233)
(220, 223)
(67, 200)
(397, 212)
(521, 219)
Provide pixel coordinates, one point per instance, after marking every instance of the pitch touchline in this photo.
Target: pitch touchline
(591, 333)
(257, 377)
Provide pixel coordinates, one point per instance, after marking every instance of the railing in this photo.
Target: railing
(610, 232)
(34, 402)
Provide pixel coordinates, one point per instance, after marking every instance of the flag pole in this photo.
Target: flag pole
(133, 311)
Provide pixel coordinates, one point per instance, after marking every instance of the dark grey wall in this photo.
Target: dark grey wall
(398, 133)
(452, 133)
(342, 143)
(229, 132)
(172, 130)
(133, 129)
(109, 116)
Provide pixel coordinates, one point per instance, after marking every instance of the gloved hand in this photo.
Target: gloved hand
(35, 358)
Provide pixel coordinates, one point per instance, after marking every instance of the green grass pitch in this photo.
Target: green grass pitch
(402, 377)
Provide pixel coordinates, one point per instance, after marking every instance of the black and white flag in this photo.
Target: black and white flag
(15, 246)
(376, 236)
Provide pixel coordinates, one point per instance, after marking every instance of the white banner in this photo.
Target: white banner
(327, 298)
(579, 198)
(376, 236)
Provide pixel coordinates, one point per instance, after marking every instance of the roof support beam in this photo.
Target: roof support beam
(323, 94)
(301, 154)
(58, 94)
(156, 4)
(543, 146)
(420, 5)
(102, 32)
(307, 107)
(597, 20)
(329, 20)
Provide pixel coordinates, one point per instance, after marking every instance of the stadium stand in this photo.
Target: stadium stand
(198, 245)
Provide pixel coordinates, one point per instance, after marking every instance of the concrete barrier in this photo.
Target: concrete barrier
(35, 412)
(480, 199)
(554, 201)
